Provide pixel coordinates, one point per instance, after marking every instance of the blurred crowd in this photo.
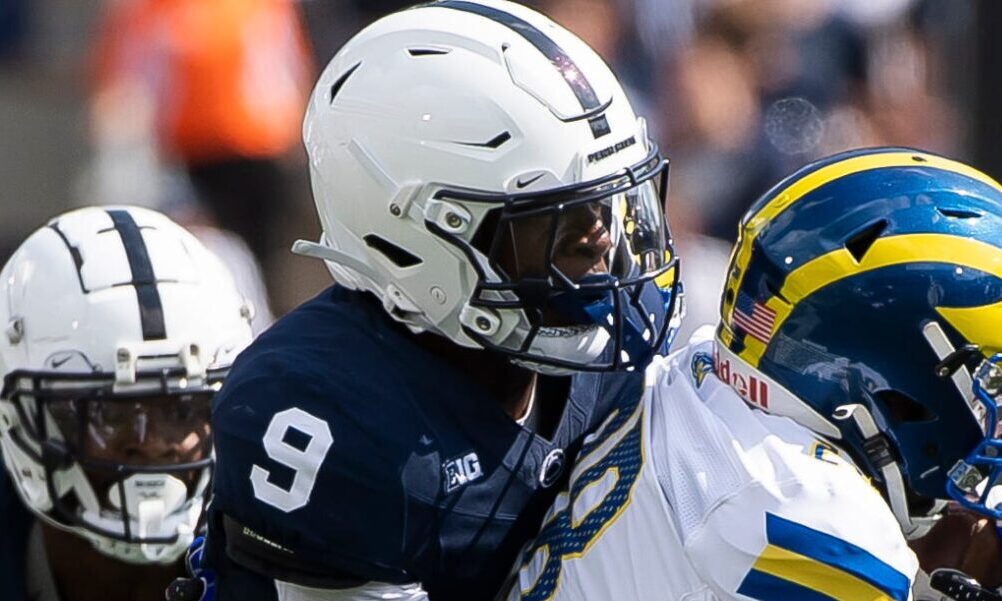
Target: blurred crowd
(194, 107)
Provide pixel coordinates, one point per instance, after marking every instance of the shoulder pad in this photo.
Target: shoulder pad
(800, 540)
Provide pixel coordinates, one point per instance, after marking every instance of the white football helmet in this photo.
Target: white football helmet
(463, 156)
(118, 327)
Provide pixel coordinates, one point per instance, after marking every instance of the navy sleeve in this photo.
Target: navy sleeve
(15, 523)
(234, 581)
(347, 521)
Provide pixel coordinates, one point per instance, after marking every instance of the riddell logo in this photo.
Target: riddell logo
(751, 389)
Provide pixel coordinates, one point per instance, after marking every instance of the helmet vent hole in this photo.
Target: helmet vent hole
(341, 81)
(958, 213)
(901, 408)
(860, 242)
(418, 52)
(498, 140)
(775, 292)
(398, 256)
(494, 143)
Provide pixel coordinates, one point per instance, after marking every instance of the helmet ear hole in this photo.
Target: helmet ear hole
(498, 252)
(398, 256)
(958, 213)
(901, 408)
(336, 87)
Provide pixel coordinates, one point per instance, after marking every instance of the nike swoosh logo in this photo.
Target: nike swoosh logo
(520, 184)
(57, 364)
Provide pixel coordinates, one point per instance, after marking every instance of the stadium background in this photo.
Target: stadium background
(193, 107)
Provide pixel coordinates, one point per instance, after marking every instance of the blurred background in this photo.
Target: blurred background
(194, 107)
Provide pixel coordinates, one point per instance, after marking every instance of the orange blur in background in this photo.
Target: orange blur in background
(228, 77)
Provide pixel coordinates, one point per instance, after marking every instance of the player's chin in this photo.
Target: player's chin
(962, 540)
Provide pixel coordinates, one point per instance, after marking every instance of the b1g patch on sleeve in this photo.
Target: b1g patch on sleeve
(460, 471)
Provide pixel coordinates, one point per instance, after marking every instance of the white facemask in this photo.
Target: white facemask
(156, 508)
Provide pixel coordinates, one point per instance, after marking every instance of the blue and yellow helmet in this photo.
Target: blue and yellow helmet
(864, 300)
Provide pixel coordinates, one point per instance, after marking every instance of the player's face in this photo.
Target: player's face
(587, 243)
(147, 431)
(580, 248)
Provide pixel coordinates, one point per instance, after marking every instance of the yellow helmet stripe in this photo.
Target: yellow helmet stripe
(891, 250)
(782, 200)
(983, 324)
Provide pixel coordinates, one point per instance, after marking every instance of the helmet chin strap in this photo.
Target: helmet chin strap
(581, 344)
(878, 452)
(877, 447)
(960, 375)
(152, 502)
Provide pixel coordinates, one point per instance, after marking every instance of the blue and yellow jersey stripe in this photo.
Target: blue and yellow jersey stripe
(809, 565)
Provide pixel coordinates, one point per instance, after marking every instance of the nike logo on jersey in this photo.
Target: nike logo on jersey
(460, 471)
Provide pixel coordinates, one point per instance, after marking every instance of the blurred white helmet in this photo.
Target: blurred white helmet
(480, 170)
(118, 327)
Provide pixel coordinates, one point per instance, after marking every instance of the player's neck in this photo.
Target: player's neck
(512, 384)
(83, 574)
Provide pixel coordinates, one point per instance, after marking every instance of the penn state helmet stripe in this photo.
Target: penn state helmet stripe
(74, 253)
(813, 177)
(151, 312)
(568, 69)
(836, 553)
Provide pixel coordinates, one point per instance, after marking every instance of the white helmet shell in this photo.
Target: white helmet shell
(123, 300)
(487, 96)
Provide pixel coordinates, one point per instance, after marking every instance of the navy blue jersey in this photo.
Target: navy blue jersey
(15, 523)
(348, 453)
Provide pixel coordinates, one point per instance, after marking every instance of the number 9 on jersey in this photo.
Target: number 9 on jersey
(304, 462)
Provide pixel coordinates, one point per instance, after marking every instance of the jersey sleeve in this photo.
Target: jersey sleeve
(308, 484)
(763, 508)
(791, 542)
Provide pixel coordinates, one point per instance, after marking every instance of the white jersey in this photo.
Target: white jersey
(695, 495)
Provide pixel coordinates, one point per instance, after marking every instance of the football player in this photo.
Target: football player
(849, 392)
(492, 213)
(118, 327)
